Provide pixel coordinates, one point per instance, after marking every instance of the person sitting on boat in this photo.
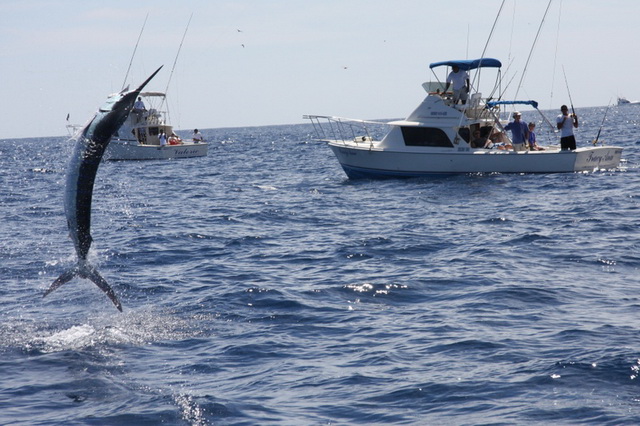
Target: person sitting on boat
(197, 136)
(533, 142)
(174, 139)
(497, 140)
(519, 132)
(567, 139)
(460, 81)
(478, 141)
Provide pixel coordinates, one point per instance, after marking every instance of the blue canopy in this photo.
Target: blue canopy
(469, 64)
(491, 104)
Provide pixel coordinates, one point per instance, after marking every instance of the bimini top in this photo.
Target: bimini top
(470, 64)
(491, 104)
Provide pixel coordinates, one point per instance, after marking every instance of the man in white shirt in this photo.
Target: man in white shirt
(460, 81)
(197, 136)
(566, 122)
(163, 138)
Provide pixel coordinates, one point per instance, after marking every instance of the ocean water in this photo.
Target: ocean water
(261, 286)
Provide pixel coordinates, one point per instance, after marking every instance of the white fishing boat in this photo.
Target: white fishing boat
(139, 137)
(625, 101)
(436, 139)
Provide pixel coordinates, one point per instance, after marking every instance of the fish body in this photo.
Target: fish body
(91, 143)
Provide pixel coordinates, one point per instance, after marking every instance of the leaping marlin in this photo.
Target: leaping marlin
(81, 173)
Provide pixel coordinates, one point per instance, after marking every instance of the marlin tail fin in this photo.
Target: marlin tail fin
(85, 270)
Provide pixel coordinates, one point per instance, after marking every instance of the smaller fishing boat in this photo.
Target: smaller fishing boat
(438, 138)
(625, 101)
(146, 134)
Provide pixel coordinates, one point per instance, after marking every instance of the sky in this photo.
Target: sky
(269, 62)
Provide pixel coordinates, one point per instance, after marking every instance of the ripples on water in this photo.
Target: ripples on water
(262, 287)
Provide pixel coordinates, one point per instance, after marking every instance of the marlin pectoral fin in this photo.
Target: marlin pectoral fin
(92, 273)
(62, 279)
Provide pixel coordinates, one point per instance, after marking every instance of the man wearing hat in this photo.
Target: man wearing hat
(519, 132)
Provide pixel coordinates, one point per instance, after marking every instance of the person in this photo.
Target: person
(460, 82)
(174, 139)
(519, 132)
(497, 140)
(139, 109)
(478, 141)
(197, 136)
(139, 105)
(533, 142)
(566, 122)
(163, 138)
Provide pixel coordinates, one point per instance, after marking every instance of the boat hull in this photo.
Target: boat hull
(133, 151)
(368, 162)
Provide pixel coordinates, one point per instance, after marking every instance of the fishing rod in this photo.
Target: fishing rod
(569, 92)
(495, 23)
(595, 141)
(177, 54)
(175, 61)
(134, 51)
(535, 41)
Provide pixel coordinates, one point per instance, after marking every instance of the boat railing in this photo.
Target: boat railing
(341, 129)
(476, 108)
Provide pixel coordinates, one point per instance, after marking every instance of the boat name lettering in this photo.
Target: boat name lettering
(439, 113)
(346, 151)
(598, 158)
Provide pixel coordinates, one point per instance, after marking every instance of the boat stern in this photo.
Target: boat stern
(597, 158)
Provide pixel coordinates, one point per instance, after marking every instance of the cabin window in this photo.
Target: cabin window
(153, 131)
(465, 133)
(425, 136)
(485, 131)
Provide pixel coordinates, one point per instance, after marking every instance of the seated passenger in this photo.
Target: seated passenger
(533, 142)
(498, 140)
(477, 141)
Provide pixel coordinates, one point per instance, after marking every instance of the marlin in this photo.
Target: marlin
(91, 143)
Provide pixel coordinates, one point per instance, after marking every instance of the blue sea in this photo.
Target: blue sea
(260, 286)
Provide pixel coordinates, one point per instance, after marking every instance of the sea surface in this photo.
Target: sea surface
(261, 286)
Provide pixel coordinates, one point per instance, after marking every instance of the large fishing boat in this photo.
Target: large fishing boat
(139, 138)
(437, 138)
(624, 101)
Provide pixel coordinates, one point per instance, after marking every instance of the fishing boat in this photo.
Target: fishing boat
(436, 138)
(625, 101)
(139, 137)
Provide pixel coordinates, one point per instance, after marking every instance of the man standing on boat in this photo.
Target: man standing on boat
(519, 132)
(460, 81)
(566, 123)
(197, 136)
